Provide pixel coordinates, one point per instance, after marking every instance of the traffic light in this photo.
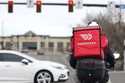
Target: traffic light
(10, 6)
(70, 5)
(38, 6)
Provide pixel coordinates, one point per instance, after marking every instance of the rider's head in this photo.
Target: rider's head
(93, 23)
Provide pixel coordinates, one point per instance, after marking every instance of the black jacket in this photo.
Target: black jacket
(109, 57)
(72, 61)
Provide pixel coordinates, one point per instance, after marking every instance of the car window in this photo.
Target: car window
(10, 57)
(1, 57)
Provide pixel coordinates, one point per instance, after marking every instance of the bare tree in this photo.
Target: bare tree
(114, 31)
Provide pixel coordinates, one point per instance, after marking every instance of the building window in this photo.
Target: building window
(51, 46)
(42, 44)
(60, 46)
(68, 46)
(8, 46)
(30, 45)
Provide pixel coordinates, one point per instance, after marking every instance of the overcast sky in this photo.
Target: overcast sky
(53, 20)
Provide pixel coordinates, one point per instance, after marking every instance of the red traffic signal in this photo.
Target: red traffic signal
(70, 5)
(10, 6)
(38, 6)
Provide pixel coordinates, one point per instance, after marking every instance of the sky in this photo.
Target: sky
(53, 20)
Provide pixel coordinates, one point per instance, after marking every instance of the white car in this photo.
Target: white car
(18, 67)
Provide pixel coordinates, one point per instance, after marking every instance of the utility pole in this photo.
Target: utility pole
(120, 15)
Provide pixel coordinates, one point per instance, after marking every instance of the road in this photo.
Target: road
(115, 77)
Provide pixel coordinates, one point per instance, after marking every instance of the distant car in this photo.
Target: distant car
(18, 67)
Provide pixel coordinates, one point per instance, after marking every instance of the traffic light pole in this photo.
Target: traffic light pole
(59, 4)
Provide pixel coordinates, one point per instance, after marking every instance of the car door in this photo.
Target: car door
(2, 69)
(12, 69)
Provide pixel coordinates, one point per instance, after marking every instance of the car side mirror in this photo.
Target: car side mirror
(24, 61)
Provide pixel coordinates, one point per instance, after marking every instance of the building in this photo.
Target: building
(33, 42)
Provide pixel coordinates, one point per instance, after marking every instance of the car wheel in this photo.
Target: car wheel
(43, 77)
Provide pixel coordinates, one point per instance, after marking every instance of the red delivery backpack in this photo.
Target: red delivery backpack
(104, 41)
(86, 42)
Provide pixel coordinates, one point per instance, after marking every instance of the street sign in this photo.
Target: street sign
(122, 6)
(79, 4)
(111, 5)
(30, 3)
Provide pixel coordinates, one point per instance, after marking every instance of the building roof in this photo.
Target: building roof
(30, 33)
